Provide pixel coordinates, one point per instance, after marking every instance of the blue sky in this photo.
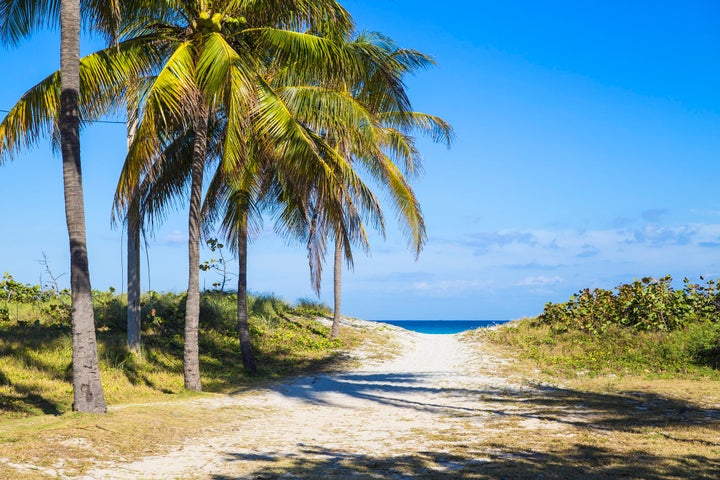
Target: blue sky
(586, 154)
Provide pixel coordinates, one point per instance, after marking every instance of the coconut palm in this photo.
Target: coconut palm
(378, 137)
(134, 317)
(215, 67)
(88, 393)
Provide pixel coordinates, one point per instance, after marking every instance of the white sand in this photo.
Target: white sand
(435, 385)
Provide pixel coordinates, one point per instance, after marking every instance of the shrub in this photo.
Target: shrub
(648, 304)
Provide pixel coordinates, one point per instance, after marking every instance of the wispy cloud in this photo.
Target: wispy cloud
(483, 242)
(539, 281)
(534, 265)
(175, 237)
(581, 254)
(588, 251)
(653, 236)
(451, 286)
(654, 215)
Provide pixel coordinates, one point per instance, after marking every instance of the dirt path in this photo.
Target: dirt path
(417, 413)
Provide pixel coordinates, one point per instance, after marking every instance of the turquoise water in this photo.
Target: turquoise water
(442, 326)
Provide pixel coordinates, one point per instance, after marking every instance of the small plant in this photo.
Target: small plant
(219, 265)
(309, 307)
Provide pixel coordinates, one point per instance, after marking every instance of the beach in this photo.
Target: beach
(396, 412)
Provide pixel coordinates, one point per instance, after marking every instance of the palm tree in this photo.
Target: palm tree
(134, 318)
(18, 19)
(87, 389)
(296, 196)
(214, 66)
(378, 135)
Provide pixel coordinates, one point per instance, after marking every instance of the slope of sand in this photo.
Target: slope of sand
(426, 399)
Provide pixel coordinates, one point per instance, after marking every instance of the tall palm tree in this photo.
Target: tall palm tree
(215, 67)
(17, 20)
(87, 390)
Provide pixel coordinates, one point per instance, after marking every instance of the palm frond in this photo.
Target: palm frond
(19, 18)
(165, 109)
(422, 123)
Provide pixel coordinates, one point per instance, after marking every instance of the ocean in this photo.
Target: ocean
(442, 326)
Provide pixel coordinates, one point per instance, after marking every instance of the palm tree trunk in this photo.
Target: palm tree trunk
(88, 394)
(243, 328)
(134, 319)
(191, 358)
(337, 288)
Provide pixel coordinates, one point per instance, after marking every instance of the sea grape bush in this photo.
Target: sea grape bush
(648, 304)
(55, 304)
(12, 291)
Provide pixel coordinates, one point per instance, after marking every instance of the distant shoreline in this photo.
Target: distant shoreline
(442, 327)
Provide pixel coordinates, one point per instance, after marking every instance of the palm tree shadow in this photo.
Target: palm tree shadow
(573, 461)
(23, 399)
(618, 411)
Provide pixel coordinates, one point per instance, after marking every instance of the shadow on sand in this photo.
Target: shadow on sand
(573, 462)
(587, 411)
(620, 411)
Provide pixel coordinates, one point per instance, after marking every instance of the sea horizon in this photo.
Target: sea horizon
(442, 327)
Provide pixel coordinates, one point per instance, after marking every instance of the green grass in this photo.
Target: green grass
(692, 351)
(36, 348)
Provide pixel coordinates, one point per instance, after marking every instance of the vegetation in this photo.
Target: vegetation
(257, 92)
(35, 345)
(643, 328)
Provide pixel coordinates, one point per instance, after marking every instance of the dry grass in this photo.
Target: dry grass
(72, 443)
(601, 427)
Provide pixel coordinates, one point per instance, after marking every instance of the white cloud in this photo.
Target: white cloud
(540, 280)
(451, 286)
(175, 237)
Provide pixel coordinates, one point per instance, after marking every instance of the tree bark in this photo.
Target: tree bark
(87, 390)
(246, 349)
(191, 358)
(337, 288)
(134, 317)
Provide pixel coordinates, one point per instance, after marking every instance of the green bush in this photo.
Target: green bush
(648, 304)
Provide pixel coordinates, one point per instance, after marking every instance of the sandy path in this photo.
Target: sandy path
(318, 425)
